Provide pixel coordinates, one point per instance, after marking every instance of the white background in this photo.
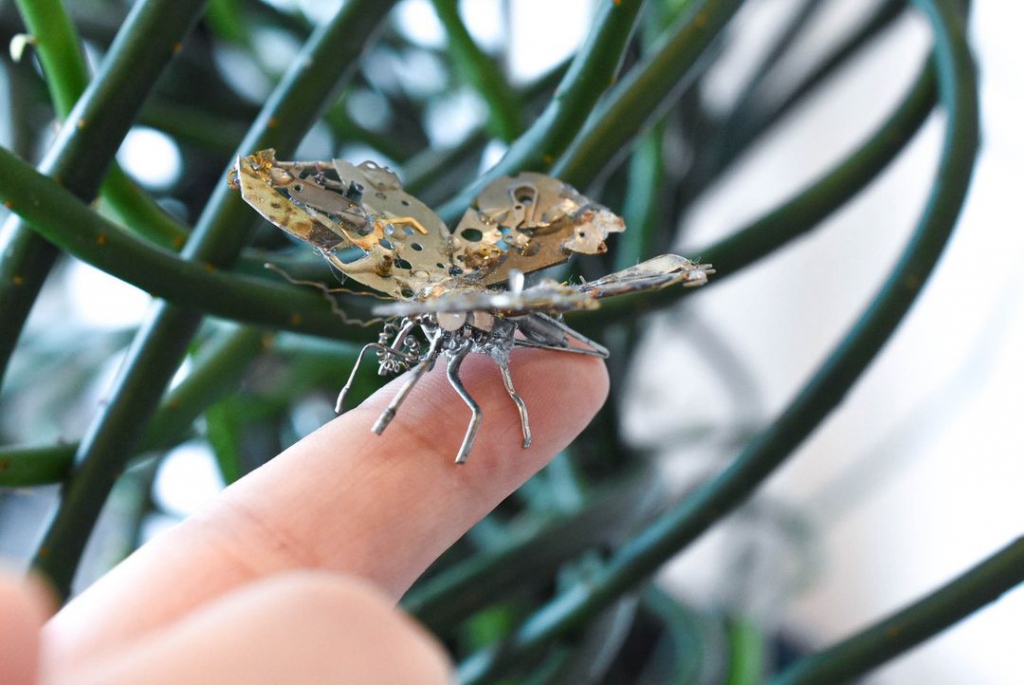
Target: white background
(920, 474)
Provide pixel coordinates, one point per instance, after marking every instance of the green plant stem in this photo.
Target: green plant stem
(646, 90)
(462, 590)
(646, 182)
(480, 71)
(63, 62)
(60, 53)
(140, 213)
(115, 433)
(797, 22)
(746, 653)
(216, 133)
(909, 627)
(28, 466)
(592, 71)
(87, 142)
(689, 642)
(646, 552)
(796, 216)
(753, 116)
(227, 423)
(227, 21)
(25, 259)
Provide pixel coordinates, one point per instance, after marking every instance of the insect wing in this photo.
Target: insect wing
(527, 223)
(653, 274)
(359, 218)
(259, 180)
(547, 296)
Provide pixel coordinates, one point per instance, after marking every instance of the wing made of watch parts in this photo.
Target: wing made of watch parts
(526, 223)
(371, 230)
(359, 218)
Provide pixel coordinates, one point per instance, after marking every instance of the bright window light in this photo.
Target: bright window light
(151, 157)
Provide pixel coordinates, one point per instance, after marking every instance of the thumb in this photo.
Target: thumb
(24, 607)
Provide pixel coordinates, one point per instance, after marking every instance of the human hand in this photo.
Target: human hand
(292, 574)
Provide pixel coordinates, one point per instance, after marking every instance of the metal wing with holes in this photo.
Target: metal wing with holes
(359, 218)
(371, 230)
(526, 223)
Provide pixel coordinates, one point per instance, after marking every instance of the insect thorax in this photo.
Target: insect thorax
(445, 333)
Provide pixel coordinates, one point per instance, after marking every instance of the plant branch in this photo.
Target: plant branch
(909, 627)
(592, 71)
(646, 90)
(56, 42)
(89, 139)
(481, 72)
(458, 592)
(796, 216)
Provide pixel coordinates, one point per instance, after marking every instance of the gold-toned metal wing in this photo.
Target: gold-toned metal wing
(359, 218)
(371, 230)
(526, 223)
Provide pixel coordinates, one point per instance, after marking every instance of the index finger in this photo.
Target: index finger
(343, 499)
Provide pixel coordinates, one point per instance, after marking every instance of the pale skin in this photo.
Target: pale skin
(293, 574)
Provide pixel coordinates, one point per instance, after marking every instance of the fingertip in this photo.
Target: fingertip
(407, 498)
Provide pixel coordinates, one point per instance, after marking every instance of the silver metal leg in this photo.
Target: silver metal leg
(474, 422)
(355, 369)
(414, 376)
(524, 418)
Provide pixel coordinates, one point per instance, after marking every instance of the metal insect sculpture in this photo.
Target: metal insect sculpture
(462, 290)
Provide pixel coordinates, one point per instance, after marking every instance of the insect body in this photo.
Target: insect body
(464, 290)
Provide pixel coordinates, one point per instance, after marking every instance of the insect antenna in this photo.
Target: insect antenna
(328, 294)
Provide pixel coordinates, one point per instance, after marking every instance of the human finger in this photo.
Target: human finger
(380, 508)
(299, 628)
(24, 606)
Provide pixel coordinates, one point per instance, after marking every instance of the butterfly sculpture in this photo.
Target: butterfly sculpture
(462, 291)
